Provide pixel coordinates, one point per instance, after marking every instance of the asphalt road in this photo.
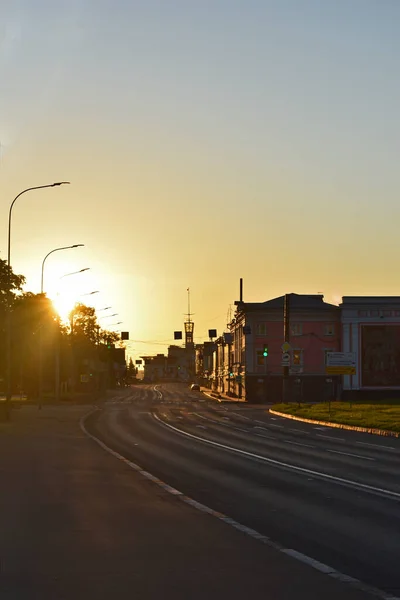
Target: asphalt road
(332, 495)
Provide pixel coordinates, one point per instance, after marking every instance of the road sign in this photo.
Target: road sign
(295, 369)
(337, 359)
(84, 378)
(285, 359)
(341, 363)
(286, 347)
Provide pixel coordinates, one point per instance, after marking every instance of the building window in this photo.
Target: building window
(387, 313)
(261, 329)
(330, 329)
(396, 313)
(296, 329)
(363, 313)
(260, 358)
(297, 357)
(374, 313)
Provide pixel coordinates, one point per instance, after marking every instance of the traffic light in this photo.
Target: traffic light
(265, 350)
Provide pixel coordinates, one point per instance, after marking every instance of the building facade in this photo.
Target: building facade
(371, 329)
(314, 330)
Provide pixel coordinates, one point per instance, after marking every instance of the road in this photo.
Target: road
(331, 495)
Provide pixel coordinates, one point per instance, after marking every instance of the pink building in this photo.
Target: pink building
(315, 329)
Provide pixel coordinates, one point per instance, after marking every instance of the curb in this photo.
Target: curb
(382, 432)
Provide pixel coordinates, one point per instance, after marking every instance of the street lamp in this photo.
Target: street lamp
(75, 272)
(108, 316)
(90, 293)
(37, 187)
(41, 331)
(106, 308)
(51, 252)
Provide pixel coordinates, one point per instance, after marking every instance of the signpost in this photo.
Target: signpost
(286, 359)
(341, 363)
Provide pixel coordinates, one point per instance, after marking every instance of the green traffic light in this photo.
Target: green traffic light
(265, 351)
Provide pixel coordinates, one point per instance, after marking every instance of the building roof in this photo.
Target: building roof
(370, 300)
(297, 301)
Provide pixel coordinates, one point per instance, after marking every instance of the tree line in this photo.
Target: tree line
(47, 354)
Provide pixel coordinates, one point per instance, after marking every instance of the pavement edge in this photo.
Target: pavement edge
(381, 432)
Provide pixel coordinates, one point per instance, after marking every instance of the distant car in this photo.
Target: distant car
(195, 387)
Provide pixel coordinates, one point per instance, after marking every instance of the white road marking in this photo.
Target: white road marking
(298, 431)
(268, 437)
(389, 494)
(349, 454)
(330, 437)
(377, 446)
(326, 569)
(298, 444)
(273, 425)
(241, 416)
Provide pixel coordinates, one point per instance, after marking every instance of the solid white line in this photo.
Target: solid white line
(298, 444)
(349, 454)
(330, 437)
(308, 560)
(277, 463)
(377, 446)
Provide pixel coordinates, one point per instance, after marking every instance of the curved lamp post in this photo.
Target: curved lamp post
(51, 252)
(37, 187)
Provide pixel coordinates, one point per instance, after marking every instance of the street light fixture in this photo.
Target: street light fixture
(108, 316)
(75, 272)
(41, 331)
(90, 293)
(37, 187)
(51, 252)
(106, 308)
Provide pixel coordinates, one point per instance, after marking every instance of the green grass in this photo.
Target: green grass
(380, 415)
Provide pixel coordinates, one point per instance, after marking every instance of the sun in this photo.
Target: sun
(64, 303)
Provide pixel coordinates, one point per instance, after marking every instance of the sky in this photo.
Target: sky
(205, 140)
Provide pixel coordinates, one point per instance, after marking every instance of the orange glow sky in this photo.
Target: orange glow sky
(204, 142)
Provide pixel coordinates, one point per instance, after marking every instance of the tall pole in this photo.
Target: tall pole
(8, 313)
(41, 327)
(286, 335)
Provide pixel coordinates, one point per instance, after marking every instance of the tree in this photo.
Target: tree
(10, 283)
(132, 370)
(35, 327)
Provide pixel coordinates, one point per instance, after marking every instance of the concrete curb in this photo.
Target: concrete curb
(382, 432)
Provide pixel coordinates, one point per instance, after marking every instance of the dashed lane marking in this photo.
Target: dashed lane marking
(298, 444)
(308, 560)
(330, 437)
(381, 447)
(350, 454)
